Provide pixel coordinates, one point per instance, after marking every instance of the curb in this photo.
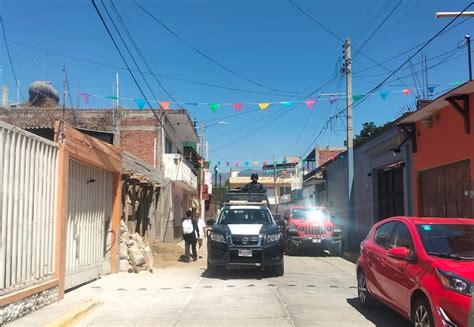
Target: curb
(70, 318)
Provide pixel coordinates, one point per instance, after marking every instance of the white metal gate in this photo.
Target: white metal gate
(28, 180)
(89, 212)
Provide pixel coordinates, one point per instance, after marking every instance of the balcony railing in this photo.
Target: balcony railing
(177, 169)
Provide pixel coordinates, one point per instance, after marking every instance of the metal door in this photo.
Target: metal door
(89, 212)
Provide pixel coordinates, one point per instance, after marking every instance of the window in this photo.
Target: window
(402, 237)
(245, 216)
(168, 146)
(448, 239)
(384, 235)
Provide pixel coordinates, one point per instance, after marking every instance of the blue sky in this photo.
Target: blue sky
(269, 42)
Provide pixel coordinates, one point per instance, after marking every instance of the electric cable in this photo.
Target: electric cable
(10, 57)
(205, 55)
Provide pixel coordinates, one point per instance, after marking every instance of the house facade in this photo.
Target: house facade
(443, 163)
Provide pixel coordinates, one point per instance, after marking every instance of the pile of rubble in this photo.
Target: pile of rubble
(135, 254)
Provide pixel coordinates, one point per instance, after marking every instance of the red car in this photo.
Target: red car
(423, 268)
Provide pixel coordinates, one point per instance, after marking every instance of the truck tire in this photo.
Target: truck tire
(211, 269)
(290, 248)
(337, 249)
(278, 270)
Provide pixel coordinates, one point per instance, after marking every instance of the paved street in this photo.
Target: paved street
(315, 291)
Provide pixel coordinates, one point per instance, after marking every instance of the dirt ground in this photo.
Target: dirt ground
(166, 255)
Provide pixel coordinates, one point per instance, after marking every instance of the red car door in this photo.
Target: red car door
(377, 262)
(401, 275)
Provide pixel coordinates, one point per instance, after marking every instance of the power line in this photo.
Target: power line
(218, 86)
(365, 96)
(203, 54)
(378, 28)
(10, 57)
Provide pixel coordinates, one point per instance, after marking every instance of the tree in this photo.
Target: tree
(368, 129)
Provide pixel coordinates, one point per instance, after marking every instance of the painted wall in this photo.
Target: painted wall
(368, 159)
(444, 143)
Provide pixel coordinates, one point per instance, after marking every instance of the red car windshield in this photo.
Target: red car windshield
(310, 213)
(448, 240)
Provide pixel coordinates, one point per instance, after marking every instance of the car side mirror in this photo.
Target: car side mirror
(210, 222)
(399, 253)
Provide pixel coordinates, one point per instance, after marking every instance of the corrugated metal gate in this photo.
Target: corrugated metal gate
(89, 212)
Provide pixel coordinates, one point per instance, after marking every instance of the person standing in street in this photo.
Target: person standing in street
(201, 226)
(190, 234)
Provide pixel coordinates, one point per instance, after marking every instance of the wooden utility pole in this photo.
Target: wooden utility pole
(350, 150)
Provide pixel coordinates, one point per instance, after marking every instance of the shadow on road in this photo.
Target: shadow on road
(380, 315)
(223, 274)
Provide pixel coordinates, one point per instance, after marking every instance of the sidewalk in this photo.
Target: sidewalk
(117, 291)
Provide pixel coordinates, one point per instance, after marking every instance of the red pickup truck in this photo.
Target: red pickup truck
(311, 227)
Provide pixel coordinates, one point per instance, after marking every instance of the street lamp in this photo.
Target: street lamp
(442, 14)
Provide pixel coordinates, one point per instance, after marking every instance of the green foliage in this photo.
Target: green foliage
(368, 129)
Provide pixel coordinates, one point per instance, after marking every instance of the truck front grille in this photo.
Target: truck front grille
(314, 231)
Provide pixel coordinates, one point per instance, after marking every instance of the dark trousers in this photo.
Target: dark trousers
(187, 245)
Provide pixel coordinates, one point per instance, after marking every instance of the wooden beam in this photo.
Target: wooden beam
(61, 226)
(115, 223)
(410, 131)
(462, 110)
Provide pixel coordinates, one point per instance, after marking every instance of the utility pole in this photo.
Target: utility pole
(468, 41)
(201, 174)
(17, 93)
(275, 193)
(350, 150)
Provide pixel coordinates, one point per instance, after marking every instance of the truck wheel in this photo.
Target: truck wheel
(290, 248)
(337, 249)
(279, 270)
(211, 269)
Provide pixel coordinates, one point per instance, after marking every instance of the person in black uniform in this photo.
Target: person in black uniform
(254, 186)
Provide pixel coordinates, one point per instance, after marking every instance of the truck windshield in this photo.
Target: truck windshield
(310, 213)
(245, 216)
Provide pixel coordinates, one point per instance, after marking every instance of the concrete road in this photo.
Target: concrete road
(315, 291)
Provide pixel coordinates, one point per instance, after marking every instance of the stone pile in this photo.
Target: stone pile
(135, 255)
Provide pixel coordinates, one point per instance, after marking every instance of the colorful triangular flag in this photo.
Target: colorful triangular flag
(255, 163)
(332, 100)
(287, 103)
(165, 105)
(140, 103)
(384, 94)
(113, 97)
(264, 105)
(407, 91)
(356, 98)
(310, 103)
(85, 97)
(214, 106)
(431, 89)
(236, 164)
(227, 163)
(238, 106)
(246, 163)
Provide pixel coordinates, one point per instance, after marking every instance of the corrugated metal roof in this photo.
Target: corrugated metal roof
(138, 168)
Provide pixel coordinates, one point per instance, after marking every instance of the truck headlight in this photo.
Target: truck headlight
(273, 238)
(216, 237)
(454, 282)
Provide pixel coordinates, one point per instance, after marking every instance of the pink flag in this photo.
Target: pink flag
(238, 106)
(265, 162)
(236, 164)
(310, 103)
(255, 163)
(407, 91)
(85, 97)
(165, 105)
